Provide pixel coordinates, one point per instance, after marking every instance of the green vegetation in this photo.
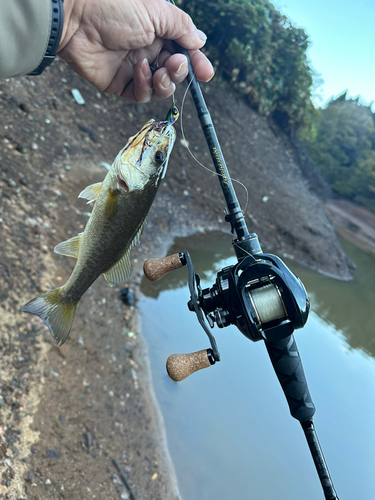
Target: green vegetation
(341, 140)
(259, 52)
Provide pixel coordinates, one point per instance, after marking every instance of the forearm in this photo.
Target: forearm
(25, 27)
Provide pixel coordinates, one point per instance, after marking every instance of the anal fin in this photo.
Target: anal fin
(138, 236)
(91, 192)
(70, 248)
(120, 272)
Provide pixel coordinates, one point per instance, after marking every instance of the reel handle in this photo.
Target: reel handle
(155, 269)
(287, 363)
(180, 366)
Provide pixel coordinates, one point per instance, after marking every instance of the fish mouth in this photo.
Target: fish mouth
(140, 149)
(157, 134)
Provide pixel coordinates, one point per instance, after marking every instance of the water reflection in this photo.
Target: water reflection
(229, 431)
(204, 249)
(349, 306)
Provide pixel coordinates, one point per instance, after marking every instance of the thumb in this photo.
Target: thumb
(172, 23)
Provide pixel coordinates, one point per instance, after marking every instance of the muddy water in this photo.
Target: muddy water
(229, 430)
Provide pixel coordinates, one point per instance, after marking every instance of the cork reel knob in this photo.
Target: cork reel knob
(180, 366)
(155, 269)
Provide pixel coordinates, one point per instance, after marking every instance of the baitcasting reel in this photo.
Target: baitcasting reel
(259, 295)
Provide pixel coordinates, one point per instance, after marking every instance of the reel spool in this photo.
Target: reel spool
(268, 304)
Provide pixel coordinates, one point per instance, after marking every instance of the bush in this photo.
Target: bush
(259, 52)
(343, 145)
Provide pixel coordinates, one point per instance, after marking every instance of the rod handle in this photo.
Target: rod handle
(155, 269)
(180, 366)
(287, 363)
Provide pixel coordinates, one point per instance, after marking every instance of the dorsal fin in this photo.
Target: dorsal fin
(91, 192)
(70, 248)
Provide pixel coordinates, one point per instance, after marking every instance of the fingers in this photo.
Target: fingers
(172, 23)
(162, 84)
(139, 88)
(203, 68)
(177, 66)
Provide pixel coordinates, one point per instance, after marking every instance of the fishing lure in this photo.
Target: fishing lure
(172, 115)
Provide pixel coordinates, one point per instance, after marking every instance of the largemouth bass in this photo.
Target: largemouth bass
(122, 202)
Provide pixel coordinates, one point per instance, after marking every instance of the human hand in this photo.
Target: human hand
(111, 43)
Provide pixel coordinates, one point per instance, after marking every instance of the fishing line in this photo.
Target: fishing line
(186, 143)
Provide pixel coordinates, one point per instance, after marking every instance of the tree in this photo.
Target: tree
(344, 147)
(259, 52)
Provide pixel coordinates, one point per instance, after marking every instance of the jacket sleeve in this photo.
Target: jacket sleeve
(25, 27)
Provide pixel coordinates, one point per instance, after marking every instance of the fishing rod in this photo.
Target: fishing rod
(259, 294)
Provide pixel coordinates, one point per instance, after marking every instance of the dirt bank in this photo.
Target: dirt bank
(66, 413)
(353, 222)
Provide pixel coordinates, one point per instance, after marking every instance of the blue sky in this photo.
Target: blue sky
(342, 51)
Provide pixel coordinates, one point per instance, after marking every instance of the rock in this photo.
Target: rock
(11, 182)
(78, 97)
(127, 296)
(30, 475)
(15, 101)
(21, 148)
(24, 107)
(88, 439)
(53, 454)
(93, 136)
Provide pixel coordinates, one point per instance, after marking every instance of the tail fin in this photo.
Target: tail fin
(57, 314)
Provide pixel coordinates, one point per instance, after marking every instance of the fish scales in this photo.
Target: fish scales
(122, 202)
(115, 233)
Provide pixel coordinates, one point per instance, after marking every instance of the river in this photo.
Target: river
(229, 430)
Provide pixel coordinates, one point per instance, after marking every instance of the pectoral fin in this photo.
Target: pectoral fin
(120, 272)
(110, 206)
(70, 248)
(91, 192)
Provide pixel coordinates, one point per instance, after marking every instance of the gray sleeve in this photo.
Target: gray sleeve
(25, 27)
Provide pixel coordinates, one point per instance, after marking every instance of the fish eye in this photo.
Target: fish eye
(159, 157)
(174, 111)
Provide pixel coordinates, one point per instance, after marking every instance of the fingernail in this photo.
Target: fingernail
(146, 69)
(201, 35)
(182, 68)
(165, 81)
(213, 74)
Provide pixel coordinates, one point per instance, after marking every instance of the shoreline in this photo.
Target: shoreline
(160, 432)
(354, 223)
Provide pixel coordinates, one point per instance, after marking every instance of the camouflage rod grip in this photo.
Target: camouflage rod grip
(287, 363)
